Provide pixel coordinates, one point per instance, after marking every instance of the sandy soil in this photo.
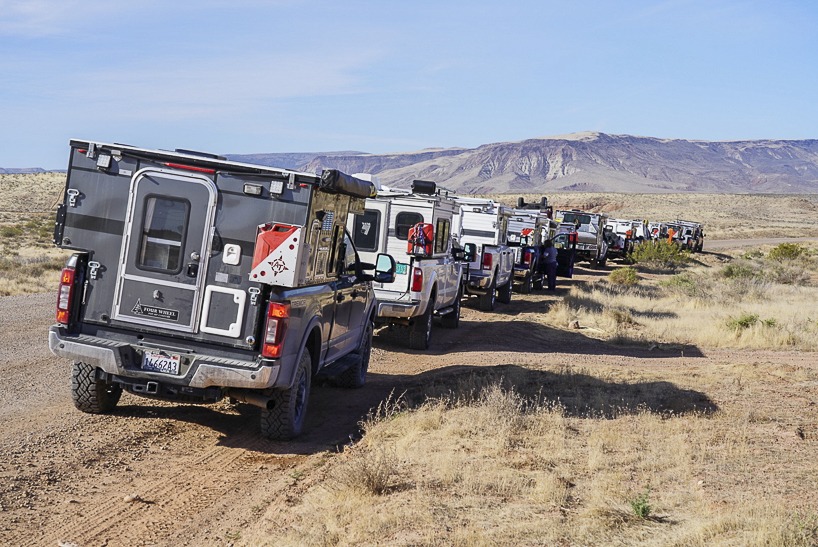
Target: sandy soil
(156, 473)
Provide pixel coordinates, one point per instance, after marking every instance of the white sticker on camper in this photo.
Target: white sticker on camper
(153, 311)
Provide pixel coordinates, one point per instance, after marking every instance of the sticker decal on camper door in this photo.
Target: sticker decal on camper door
(153, 311)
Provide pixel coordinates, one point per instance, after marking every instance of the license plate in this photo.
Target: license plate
(158, 361)
(401, 269)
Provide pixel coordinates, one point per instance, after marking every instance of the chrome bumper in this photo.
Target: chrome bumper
(399, 310)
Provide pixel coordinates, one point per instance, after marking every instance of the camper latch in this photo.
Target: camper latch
(73, 194)
(254, 292)
(93, 268)
(92, 150)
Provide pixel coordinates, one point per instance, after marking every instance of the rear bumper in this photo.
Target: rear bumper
(200, 371)
(479, 282)
(399, 310)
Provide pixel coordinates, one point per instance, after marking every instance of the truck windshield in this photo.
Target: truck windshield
(573, 217)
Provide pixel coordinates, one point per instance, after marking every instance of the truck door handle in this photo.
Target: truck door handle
(340, 297)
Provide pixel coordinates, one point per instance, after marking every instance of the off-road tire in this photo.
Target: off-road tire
(91, 395)
(452, 319)
(355, 376)
(420, 332)
(504, 292)
(538, 282)
(525, 286)
(286, 419)
(487, 301)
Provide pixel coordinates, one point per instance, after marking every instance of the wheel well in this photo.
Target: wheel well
(314, 345)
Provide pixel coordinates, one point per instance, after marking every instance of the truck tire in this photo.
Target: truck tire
(421, 330)
(538, 282)
(487, 301)
(504, 292)
(525, 286)
(355, 376)
(91, 395)
(286, 419)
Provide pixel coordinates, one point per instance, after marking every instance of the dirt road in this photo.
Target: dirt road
(157, 473)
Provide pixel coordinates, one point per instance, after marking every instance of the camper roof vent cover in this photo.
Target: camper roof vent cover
(424, 187)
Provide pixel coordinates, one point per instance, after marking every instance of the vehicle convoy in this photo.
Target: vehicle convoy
(195, 278)
(690, 235)
(481, 229)
(591, 245)
(415, 227)
(685, 233)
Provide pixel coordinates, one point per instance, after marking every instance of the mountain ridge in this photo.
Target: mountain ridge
(593, 162)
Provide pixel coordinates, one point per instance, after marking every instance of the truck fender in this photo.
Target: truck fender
(312, 340)
(429, 288)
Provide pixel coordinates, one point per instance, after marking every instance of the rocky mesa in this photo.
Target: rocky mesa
(589, 162)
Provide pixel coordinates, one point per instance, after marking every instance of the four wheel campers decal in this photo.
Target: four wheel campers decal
(153, 311)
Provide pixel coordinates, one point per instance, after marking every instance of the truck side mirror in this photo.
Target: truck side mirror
(458, 254)
(385, 269)
(469, 252)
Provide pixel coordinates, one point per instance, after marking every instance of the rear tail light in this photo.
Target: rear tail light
(527, 257)
(65, 296)
(278, 316)
(417, 280)
(487, 261)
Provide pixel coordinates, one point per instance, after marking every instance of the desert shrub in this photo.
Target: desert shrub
(10, 231)
(624, 276)
(737, 270)
(786, 251)
(373, 470)
(641, 505)
(743, 321)
(788, 273)
(660, 255)
(687, 285)
(621, 317)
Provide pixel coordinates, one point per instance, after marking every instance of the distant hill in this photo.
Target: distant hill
(21, 171)
(589, 162)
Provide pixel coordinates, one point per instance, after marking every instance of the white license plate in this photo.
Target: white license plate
(158, 361)
(401, 268)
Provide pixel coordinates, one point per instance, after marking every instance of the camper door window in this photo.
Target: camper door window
(163, 231)
(404, 222)
(366, 229)
(442, 235)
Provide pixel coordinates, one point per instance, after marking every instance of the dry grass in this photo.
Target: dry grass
(741, 303)
(497, 466)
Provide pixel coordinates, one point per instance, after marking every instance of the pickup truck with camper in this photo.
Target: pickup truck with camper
(194, 279)
(527, 231)
(622, 235)
(415, 227)
(591, 245)
(481, 229)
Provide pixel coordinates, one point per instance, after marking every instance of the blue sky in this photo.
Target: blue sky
(248, 76)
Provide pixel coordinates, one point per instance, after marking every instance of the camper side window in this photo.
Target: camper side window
(366, 229)
(404, 222)
(442, 235)
(163, 231)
